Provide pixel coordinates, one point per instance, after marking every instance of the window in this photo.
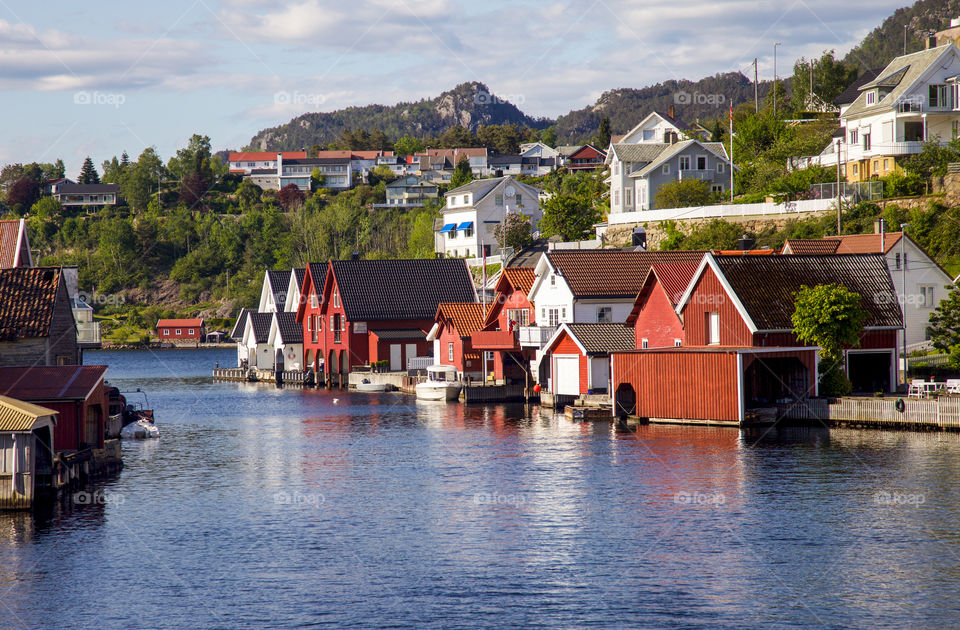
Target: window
(677, 343)
(519, 200)
(955, 127)
(719, 167)
(927, 293)
(701, 162)
(179, 331)
(938, 96)
(519, 315)
(649, 135)
(717, 188)
(604, 315)
(166, 331)
(644, 343)
(628, 197)
(498, 200)
(190, 331)
(450, 351)
(553, 280)
(896, 261)
(854, 136)
(313, 300)
(886, 163)
(563, 313)
(866, 142)
(713, 328)
(855, 169)
(876, 165)
(336, 299)
(666, 169)
(553, 317)
(684, 163)
(468, 233)
(616, 197)
(871, 97)
(616, 167)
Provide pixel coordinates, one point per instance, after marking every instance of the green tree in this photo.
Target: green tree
(549, 136)
(684, 193)
(88, 173)
(462, 174)
(945, 325)
(602, 139)
(832, 317)
(568, 216)
(140, 179)
(515, 231)
(408, 145)
(830, 76)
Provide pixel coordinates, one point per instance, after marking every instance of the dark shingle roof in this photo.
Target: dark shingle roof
(92, 189)
(766, 285)
(603, 338)
(595, 273)
(279, 282)
(401, 289)
(850, 94)
(300, 273)
(399, 333)
(289, 330)
(28, 298)
(237, 331)
(261, 326)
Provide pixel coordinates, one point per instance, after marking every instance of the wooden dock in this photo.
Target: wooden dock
(495, 393)
(260, 376)
(939, 414)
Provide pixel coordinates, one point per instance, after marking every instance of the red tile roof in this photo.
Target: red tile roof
(467, 317)
(182, 323)
(10, 242)
(674, 277)
(520, 278)
(28, 298)
(611, 273)
(845, 244)
(50, 382)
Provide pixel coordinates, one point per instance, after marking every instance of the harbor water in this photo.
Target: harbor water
(288, 508)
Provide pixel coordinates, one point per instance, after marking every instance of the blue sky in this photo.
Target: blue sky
(81, 79)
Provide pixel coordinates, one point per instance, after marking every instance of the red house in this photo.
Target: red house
(739, 352)
(455, 322)
(586, 158)
(356, 312)
(655, 321)
(180, 330)
(579, 357)
(76, 391)
(511, 310)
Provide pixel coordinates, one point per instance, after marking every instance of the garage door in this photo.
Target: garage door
(566, 375)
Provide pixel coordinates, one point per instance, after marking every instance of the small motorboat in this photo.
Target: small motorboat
(441, 384)
(366, 386)
(140, 430)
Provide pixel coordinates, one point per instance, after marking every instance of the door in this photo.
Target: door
(411, 352)
(566, 375)
(396, 357)
(599, 374)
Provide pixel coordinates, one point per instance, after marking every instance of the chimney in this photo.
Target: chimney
(671, 112)
(931, 40)
(355, 256)
(745, 243)
(639, 238)
(279, 164)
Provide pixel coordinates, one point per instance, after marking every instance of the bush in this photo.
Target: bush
(902, 185)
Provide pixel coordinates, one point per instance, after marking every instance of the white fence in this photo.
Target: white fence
(721, 211)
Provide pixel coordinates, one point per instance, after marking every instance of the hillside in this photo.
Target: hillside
(469, 105)
(886, 41)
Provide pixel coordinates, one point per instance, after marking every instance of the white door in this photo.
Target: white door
(396, 357)
(599, 374)
(566, 375)
(411, 352)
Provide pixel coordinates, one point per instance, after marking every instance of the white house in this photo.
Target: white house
(273, 293)
(655, 128)
(256, 341)
(474, 210)
(294, 289)
(538, 149)
(286, 340)
(919, 281)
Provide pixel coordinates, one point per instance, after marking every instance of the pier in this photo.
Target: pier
(940, 414)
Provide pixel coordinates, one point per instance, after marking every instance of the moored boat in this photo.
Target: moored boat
(441, 384)
(366, 386)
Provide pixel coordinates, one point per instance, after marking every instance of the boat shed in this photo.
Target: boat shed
(26, 451)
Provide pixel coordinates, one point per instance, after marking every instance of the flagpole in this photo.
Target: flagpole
(731, 152)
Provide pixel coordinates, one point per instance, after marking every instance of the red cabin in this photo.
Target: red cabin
(578, 356)
(181, 330)
(511, 310)
(451, 337)
(586, 158)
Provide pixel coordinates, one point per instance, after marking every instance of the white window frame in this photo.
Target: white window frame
(644, 343)
(665, 169)
(604, 314)
(713, 328)
(683, 159)
(450, 351)
(179, 332)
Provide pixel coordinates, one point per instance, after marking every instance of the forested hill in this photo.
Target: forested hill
(885, 42)
(470, 105)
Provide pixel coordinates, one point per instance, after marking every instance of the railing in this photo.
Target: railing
(692, 173)
(419, 363)
(722, 210)
(88, 332)
(536, 336)
(494, 339)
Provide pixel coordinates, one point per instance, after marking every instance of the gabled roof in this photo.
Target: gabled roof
(51, 382)
(673, 277)
(400, 289)
(900, 76)
(253, 156)
(519, 279)
(260, 326)
(28, 297)
(766, 285)
(67, 188)
(287, 327)
(680, 126)
(609, 273)
(629, 152)
(850, 94)
(237, 331)
(467, 317)
(279, 283)
(17, 416)
(600, 152)
(299, 273)
(593, 339)
(483, 187)
(196, 322)
(14, 244)
(810, 246)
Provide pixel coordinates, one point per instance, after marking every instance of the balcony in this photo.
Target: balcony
(535, 336)
(88, 332)
(495, 340)
(693, 173)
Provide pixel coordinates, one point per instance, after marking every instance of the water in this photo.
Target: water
(284, 509)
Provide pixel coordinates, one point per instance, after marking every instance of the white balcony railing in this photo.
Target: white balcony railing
(419, 363)
(536, 336)
(693, 173)
(88, 332)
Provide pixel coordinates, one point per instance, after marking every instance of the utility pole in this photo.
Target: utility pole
(903, 295)
(775, 44)
(905, 39)
(731, 152)
(756, 88)
(838, 187)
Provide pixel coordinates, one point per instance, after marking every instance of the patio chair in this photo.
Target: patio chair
(916, 388)
(953, 385)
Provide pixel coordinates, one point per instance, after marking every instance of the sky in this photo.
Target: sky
(101, 78)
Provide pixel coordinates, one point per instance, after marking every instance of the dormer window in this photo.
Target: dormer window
(872, 97)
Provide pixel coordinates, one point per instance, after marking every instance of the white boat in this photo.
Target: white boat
(140, 430)
(366, 386)
(441, 384)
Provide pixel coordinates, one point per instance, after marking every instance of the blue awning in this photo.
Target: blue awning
(466, 225)
(449, 227)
